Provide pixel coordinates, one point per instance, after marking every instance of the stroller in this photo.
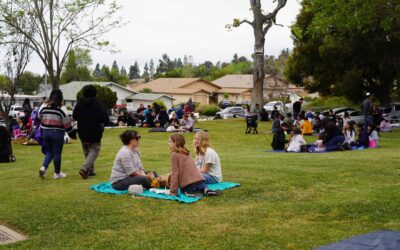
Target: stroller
(251, 124)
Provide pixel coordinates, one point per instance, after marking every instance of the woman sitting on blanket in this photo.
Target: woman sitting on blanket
(207, 160)
(184, 173)
(128, 169)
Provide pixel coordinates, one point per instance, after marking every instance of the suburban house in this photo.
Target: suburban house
(181, 89)
(240, 87)
(72, 88)
(148, 99)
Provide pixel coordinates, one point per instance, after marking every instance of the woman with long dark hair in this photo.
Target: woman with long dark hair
(54, 123)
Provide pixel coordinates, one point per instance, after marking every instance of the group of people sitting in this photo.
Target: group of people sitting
(188, 174)
(157, 116)
(331, 137)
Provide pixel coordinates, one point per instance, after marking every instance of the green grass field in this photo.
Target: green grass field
(286, 201)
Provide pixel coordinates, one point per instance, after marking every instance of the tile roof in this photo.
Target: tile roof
(171, 86)
(72, 88)
(235, 81)
(147, 96)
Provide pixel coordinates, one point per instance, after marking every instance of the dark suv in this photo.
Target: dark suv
(225, 103)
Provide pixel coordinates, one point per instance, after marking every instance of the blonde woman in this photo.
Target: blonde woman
(184, 174)
(207, 160)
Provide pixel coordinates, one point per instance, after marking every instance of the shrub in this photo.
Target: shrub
(104, 94)
(160, 103)
(208, 110)
(329, 102)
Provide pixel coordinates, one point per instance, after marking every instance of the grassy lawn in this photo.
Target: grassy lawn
(286, 201)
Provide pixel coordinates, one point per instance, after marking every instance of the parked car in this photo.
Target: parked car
(336, 111)
(16, 111)
(357, 116)
(225, 103)
(269, 106)
(392, 111)
(230, 112)
(243, 103)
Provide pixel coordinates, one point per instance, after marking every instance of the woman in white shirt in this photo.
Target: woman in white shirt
(207, 160)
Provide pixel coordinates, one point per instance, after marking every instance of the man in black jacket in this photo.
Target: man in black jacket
(297, 108)
(91, 117)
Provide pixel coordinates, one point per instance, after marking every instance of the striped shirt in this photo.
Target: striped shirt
(54, 118)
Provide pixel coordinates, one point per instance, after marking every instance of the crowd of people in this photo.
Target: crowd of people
(333, 132)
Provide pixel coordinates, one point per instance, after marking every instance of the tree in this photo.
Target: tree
(54, 27)
(134, 71)
(151, 69)
(235, 58)
(104, 95)
(77, 66)
(261, 24)
(146, 75)
(123, 71)
(97, 71)
(15, 61)
(347, 48)
(29, 82)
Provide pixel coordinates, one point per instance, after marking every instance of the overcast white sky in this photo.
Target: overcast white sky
(191, 27)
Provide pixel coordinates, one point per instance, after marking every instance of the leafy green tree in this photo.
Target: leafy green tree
(347, 48)
(104, 94)
(29, 82)
(55, 27)
(235, 58)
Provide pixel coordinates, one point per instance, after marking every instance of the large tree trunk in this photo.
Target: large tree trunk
(258, 76)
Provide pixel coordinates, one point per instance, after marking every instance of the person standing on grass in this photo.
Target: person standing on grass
(297, 107)
(54, 122)
(128, 168)
(91, 117)
(367, 107)
(207, 160)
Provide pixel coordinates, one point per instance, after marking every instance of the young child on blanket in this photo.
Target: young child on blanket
(296, 141)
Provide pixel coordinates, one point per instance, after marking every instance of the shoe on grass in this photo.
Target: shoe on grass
(60, 175)
(83, 173)
(42, 172)
(209, 192)
(91, 174)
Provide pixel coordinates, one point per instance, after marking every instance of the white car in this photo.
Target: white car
(269, 106)
(16, 111)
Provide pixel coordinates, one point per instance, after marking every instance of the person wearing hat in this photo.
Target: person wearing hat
(367, 108)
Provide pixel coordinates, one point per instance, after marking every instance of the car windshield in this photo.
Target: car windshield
(230, 109)
(18, 109)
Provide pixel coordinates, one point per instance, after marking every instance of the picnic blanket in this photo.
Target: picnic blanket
(161, 129)
(105, 187)
(382, 240)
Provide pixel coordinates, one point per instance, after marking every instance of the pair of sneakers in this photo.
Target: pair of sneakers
(42, 173)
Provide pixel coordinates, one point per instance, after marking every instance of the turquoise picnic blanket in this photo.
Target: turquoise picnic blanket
(105, 187)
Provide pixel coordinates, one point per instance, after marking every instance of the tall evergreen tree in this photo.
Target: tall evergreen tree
(97, 71)
(123, 71)
(70, 72)
(151, 69)
(146, 75)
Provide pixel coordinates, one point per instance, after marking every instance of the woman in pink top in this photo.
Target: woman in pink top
(184, 173)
